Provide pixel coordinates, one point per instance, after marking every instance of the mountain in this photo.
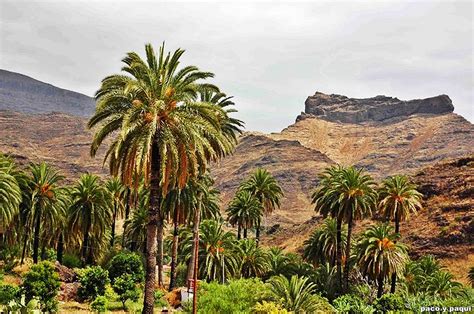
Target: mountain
(403, 137)
(22, 93)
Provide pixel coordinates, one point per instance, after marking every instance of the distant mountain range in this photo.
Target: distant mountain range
(22, 93)
(384, 135)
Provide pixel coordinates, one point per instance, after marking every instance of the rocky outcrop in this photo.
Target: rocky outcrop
(380, 108)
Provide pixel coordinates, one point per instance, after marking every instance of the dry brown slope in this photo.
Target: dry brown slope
(383, 148)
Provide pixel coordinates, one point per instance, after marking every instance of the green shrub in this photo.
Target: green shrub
(126, 288)
(7, 293)
(99, 304)
(160, 301)
(93, 281)
(352, 304)
(71, 261)
(265, 307)
(42, 281)
(49, 255)
(9, 256)
(238, 296)
(126, 263)
(181, 275)
(389, 302)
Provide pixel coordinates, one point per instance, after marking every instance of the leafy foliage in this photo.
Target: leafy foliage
(99, 304)
(126, 288)
(238, 296)
(8, 293)
(93, 281)
(389, 302)
(126, 263)
(352, 304)
(42, 282)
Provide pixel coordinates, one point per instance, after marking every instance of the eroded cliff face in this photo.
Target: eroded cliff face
(380, 108)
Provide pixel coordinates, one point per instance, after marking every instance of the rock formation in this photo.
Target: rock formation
(352, 110)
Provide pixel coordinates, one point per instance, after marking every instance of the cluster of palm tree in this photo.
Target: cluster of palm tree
(256, 197)
(41, 213)
(347, 194)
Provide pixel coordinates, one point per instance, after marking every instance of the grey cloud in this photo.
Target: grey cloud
(269, 56)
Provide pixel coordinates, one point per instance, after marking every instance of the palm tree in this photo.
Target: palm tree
(10, 192)
(296, 294)
(245, 211)
(46, 200)
(321, 247)
(398, 198)
(135, 227)
(161, 131)
(346, 194)
(90, 212)
(117, 195)
(442, 283)
(378, 254)
(217, 255)
(280, 263)
(253, 260)
(266, 189)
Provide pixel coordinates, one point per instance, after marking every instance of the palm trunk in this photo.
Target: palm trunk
(348, 252)
(239, 236)
(85, 244)
(159, 242)
(257, 233)
(339, 253)
(195, 250)
(150, 256)
(380, 286)
(245, 233)
(174, 251)
(37, 235)
(127, 213)
(393, 284)
(196, 254)
(60, 249)
(114, 216)
(23, 253)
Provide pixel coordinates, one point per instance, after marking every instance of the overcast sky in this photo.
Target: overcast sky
(269, 56)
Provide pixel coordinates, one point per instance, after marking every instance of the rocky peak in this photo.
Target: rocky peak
(356, 110)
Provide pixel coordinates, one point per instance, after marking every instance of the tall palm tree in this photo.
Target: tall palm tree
(398, 198)
(90, 212)
(266, 189)
(378, 254)
(470, 276)
(46, 200)
(161, 131)
(245, 211)
(135, 227)
(253, 259)
(117, 195)
(321, 247)
(10, 192)
(346, 194)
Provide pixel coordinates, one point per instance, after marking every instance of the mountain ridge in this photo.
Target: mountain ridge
(22, 93)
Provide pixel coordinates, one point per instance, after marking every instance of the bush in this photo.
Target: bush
(352, 304)
(71, 261)
(181, 275)
(99, 304)
(160, 301)
(9, 257)
(238, 296)
(8, 293)
(49, 255)
(389, 302)
(42, 281)
(126, 263)
(93, 281)
(126, 289)
(268, 308)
